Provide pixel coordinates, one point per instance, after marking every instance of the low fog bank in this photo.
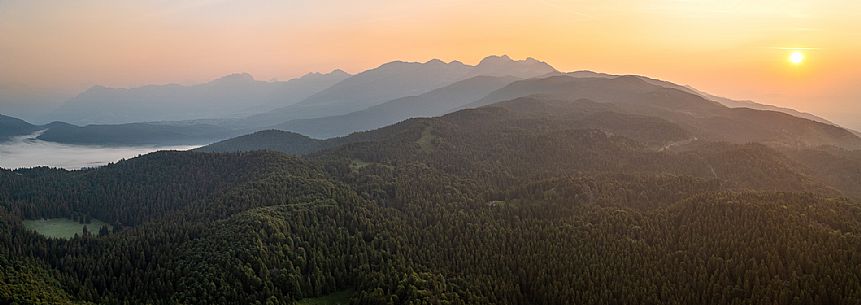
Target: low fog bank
(27, 151)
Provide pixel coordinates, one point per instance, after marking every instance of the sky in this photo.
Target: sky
(52, 50)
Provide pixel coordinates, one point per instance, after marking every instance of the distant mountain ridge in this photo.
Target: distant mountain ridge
(13, 127)
(128, 134)
(725, 101)
(399, 109)
(503, 65)
(164, 110)
(337, 103)
(627, 106)
(738, 104)
(233, 95)
(434, 103)
(634, 94)
(395, 80)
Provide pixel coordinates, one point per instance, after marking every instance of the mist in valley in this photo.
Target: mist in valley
(27, 151)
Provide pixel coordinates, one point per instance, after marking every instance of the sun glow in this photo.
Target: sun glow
(796, 57)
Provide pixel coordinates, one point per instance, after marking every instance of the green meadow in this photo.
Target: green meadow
(63, 227)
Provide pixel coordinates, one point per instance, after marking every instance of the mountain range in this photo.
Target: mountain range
(708, 118)
(337, 104)
(231, 96)
(13, 127)
(396, 80)
(433, 103)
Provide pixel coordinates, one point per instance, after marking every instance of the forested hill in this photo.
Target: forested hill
(275, 140)
(710, 119)
(13, 127)
(118, 134)
(534, 200)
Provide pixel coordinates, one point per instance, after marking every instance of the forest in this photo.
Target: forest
(529, 201)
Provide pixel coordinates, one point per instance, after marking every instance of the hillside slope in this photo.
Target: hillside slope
(433, 103)
(704, 118)
(13, 127)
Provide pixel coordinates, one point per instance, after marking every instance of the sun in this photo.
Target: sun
(796, 57)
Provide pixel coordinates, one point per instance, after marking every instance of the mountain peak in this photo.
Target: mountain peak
(235, 77)
(335, 73)
(502, 65)
(589, 73)
(338, 72)
(435, 63)
(492, 59)
(95, 89)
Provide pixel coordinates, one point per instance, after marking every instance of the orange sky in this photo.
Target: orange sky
(732, 48)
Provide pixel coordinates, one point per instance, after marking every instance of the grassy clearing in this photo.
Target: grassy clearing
(64, 228)
(337, 298)
(426, 140)
(358, 164)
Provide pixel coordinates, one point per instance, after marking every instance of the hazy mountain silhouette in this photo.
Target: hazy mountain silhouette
(433, 103)
(134, 134)
(233, 95)
(734, 103)
(725, 101)
(588, 74)
(458, 95)
(29, 103)
(395, 80)
(389, 81)
(115, 134)
(708, 119)
(336, 104)
(13, 127)
(505, 66)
